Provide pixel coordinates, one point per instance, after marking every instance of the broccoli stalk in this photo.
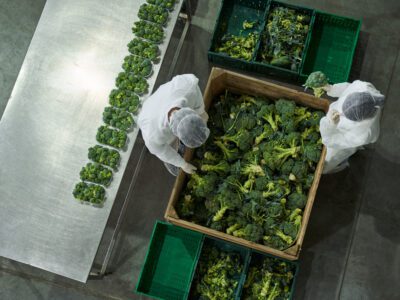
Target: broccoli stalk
(271, 190)
(266, 284)
(233, 228)
(286, 238)
(222, 167)
(229, 154)
(275, 292)
(267, 131)
(267, 113)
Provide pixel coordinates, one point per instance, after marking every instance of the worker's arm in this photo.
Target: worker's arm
(199, 104)
(166, 153)
(336, 90)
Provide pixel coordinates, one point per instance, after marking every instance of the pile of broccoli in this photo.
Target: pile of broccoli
(137, 65)
(255, 170)
(118, 118)
(217, 274)
(284, 38)
(132, 82)
(105, 156)
(269, 279)
(168, 4)
(153, 13)
(124, 99)
(241, 47)
(149, 31)
(144, 49)
(111, 137)
(96, 173)
(90, 193)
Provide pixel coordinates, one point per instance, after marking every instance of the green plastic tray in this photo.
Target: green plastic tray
(231, 16)
(170, 262)
(331, 47)
(229, 247)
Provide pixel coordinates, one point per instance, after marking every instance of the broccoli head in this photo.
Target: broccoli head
(251, 232)
(202, 185)
(242, 139)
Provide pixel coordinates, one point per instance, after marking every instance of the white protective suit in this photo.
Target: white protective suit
(345, 137)
(181, 91)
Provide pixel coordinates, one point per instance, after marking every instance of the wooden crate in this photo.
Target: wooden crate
(218, 81)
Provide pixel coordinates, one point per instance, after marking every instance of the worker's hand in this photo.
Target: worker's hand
(204, 116)
(188, 168)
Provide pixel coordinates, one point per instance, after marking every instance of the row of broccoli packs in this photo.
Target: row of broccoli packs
(219, 273)
(282, 40)
(255, 170)
(124, 101)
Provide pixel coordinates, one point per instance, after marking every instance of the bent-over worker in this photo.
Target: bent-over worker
(173, 114)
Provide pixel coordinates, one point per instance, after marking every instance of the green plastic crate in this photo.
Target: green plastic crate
(264, 68)
(331, 47)
(229, 247)
(170, 262)
(231, 16)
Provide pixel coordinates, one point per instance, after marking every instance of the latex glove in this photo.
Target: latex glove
(188, 168)
(204, 116)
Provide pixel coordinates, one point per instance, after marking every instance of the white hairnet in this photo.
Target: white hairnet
(189, 127)
(359, 106)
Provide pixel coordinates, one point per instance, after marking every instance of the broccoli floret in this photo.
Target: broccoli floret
(221, 168)
(292, 226)
(267, 112)
(297, 199)
(285, 108)
(229, 154)
(242, 139)
(202, 185)
(251, 232)
(312, 152)
(287, 167)
(267, 132)
(222, 202)
(210, 157)
(252, 169)
(299, 170)
(186, 206)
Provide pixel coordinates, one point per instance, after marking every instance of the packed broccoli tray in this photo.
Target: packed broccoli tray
(124, 101)
(255, 170)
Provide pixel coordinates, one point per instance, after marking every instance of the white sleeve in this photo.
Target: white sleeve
(337, 89)
(198, 101)
(166, 153)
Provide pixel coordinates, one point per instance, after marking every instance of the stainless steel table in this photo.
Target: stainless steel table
(49, 123)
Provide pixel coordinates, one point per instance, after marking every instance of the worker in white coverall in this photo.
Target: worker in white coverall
(173, 114)
(351, 122)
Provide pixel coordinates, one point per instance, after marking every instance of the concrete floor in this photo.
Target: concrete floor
(352, 246)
